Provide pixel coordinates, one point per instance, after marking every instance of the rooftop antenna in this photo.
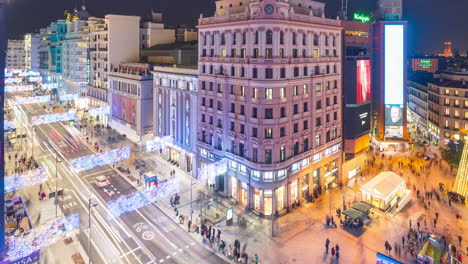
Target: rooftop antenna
(344, 9)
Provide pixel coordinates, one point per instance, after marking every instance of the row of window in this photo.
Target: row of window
(268, 53)
(454, 102)
(455, 124)
(269, 73)
(269, 131)
(268, 92)
(456, 113)
(240, 149)
(269, 39)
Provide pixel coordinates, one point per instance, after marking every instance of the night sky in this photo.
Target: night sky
(431, 22)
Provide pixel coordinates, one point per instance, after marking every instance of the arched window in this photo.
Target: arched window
(223, 39)
(212, 39)
(281, 37)
(316, 40)
(269, 37)
(205, 39)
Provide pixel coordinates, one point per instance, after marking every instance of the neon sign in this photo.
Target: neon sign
(139, 199)
(98, 160)
(20, 181)
(425, 64)
(52, 118)
(21, 246)
(361, 17)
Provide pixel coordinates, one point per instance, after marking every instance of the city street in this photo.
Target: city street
(146, 235)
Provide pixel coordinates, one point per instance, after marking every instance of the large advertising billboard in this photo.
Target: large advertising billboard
(394, 121)
(394, 64)
(363, 81)
(394, 80)
(357, 121)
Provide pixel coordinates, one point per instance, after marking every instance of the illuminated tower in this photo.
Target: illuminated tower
(389, 94)
(461, 182)
(448, 49)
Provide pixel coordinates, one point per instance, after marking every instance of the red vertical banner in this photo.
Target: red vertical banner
(363, 81)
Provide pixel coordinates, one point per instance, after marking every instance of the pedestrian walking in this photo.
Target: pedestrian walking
(189, 223)
(337, 256)
(403, 241)
(333, 251)
(460, 240)
(327, 244)
(337, 248)
(219, 233)
(419, 225)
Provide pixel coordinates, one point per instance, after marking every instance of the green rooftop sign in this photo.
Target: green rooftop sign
(361, 18)
(425, 64)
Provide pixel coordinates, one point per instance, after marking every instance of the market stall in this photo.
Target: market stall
(386, 191)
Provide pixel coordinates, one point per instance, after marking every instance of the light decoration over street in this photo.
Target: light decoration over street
(18, 88)
(47, 86)
(99, 111)
(35, 79)
(159, 142)
(21, 246)
(32, 100)
(210, 171)
(8, 125)
(23, 180)
(461, 181)
(13, 80)
(28, 73)
(52, 118)
(139, 199)
(97, 160)
(68, 97)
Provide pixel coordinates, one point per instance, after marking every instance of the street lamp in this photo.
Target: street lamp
(56, 184)
(90, 205)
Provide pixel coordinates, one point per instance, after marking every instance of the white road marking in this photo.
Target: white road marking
(161, 260)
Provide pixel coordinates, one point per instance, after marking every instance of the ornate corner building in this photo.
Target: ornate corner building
(270, 101)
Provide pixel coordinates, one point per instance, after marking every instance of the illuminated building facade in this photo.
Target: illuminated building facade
(448, 107)
(175, 112)
(75, 53)
(357, 85)
(131, 100)
(425, 64)
(418, 108)
(112, 40)
(448, 49)
(389, 53)
(15, 55)
(270, 101)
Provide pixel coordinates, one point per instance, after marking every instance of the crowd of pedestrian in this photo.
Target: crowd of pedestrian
(335, 250)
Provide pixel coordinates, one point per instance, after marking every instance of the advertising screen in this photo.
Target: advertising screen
(394, 121)
(394, 64)
(357, 121)
(363, 81)
(383, 259)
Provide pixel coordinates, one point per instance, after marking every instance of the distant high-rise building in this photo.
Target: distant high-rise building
(15, 57)
(389, 10)
(448, 49)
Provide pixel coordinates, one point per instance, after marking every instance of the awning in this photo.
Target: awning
(353, 213)
(361, 207)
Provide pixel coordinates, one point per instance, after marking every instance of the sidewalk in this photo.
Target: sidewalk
(301, 234)
(41, 212)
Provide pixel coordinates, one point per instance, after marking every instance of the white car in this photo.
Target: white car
(102, 181)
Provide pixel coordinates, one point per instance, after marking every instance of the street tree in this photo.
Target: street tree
(452, 152)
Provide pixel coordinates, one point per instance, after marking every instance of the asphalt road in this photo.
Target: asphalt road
(146, 235)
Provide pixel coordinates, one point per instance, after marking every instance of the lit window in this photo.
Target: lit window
(268, 133)
(282, 93)
(269, 93)
(268, 176)
(255, 93)
(281, 174)
(256, 174)
(318, 87)
(306, 89)
(242, 91)
(295, 167)
(294, 90)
